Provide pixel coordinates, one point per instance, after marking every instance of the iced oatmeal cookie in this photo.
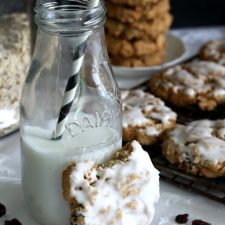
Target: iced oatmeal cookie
(199, 83)
(145, 117)
(121, 191)
(213, 51)
(198, 148)
(119, 47)
(137, 13)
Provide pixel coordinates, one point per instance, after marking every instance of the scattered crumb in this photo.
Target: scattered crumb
(182, 218)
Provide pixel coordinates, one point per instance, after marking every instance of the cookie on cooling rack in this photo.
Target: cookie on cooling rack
(199, 83)
(213, 51)
(197, 148)
(145, 117)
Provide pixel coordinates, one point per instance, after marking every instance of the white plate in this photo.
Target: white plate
(130, 77)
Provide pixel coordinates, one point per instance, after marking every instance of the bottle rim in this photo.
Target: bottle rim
(69, 16)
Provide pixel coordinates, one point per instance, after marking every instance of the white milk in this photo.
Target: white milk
(44, 160)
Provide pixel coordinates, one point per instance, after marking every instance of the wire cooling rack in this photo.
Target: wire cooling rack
(211, 188)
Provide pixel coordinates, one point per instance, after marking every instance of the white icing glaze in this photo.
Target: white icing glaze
(221, 133)
(134, 116)
(197, 77)
(208, 137)
(215, 50)
(222, 61)
(220, 82)
(152, 131)
(125, 193)
(143, 109)
(190, 92)
(178, 88)
(183, 79)
(206, 68)
(219, 92)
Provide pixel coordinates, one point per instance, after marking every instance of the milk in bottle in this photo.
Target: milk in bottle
(70, 107)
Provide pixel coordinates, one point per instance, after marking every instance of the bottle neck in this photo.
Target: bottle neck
(69, 18)
(58, 51)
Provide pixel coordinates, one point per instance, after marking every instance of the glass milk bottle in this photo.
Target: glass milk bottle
(70, 107)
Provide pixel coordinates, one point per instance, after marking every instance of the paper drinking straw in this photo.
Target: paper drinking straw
(70, 90)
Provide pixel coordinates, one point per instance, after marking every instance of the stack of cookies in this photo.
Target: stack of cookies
(136, 31)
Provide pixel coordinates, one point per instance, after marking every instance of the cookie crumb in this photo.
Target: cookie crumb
(2, 210)
(13, 222)
(182, 218)
(200, 222)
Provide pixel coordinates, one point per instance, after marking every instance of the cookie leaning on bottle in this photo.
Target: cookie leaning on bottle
(115, 192)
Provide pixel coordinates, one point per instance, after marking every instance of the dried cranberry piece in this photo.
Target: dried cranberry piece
(13, 222)
(2, 210)
(200, 222)
(182, 218)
